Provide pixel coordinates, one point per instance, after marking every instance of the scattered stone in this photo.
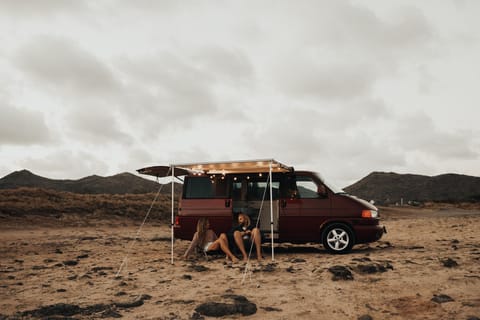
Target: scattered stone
(74, 277)
(121, 293)
(83, 256)
(449, 263)
(270, 267)
(218, 309)
(198, 268)
(415, 247)
(271, 309)
(290, 269)
(60, 309)
(340, 273)
(109, 313)
(96, 269)
(133, 304)
(58, 251)
(39, 268)
(365, 317)
(187, 277)
(374, 267)
(442, 298)
(88, 238)
(473, 318)
(70, 263)
(196, 316)
(61, 290)
(298, 260)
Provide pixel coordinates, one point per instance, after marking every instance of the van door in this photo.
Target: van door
(251, 195)
(304, 208)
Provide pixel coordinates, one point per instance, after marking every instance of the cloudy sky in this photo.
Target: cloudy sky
(340, 87)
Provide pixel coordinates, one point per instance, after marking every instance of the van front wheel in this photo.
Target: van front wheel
(337, 238)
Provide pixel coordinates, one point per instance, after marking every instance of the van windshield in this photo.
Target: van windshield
(330, 185)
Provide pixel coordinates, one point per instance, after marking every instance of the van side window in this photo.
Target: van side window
(252, 189)
(205, 188)
(307, 188)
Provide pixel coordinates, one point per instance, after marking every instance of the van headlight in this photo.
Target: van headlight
(369, 214)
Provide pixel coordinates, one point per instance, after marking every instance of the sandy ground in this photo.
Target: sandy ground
(78, 268)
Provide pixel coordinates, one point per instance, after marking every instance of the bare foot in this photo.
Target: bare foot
(234, 259)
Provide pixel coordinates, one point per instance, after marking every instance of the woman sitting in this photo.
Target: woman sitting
(207, 240)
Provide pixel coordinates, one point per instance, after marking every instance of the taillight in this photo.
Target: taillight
(369, 214)
(177, 221)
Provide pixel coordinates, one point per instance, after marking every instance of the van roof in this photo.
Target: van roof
(221, 167)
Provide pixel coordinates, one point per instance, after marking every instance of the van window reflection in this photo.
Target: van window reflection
(308, 189)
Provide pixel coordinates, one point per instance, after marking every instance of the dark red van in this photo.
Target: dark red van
(288, 205)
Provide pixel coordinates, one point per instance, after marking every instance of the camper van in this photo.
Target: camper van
(286, 205)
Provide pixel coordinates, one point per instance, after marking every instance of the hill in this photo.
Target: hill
(24, 202)
(390, 188)
(123, 183)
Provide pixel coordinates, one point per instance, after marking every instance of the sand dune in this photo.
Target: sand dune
(426, 267)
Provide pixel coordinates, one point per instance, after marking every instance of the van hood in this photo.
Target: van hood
(361, 201)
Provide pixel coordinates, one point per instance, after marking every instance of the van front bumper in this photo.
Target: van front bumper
(369, 233)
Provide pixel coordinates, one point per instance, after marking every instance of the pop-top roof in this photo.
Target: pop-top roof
(224, 167)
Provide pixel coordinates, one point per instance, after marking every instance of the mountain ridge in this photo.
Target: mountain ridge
(121, 183)
(391, 188)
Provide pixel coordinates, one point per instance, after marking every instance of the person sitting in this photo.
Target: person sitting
(207, 240)
(246, 232)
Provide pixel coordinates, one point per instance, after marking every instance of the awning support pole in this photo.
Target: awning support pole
(173, 208)
(271, 208)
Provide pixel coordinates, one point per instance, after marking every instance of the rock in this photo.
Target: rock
(271, 309)
(449, 263)
(219, 309)
(70, 263)
(365, 317)
(61, 309)
(198, 268)
(298, 260)
(441, 298)
(374, 267)
(340, 273)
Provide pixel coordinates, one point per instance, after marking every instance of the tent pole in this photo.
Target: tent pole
(173, 208)
(271, 208)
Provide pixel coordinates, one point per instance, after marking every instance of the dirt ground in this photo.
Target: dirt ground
(426, 267)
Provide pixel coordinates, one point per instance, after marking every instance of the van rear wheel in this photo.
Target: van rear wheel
(337, 238)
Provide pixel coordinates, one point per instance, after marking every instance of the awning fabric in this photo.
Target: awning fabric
(239, 166)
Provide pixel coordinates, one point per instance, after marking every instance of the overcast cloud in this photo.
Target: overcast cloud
(340, 87)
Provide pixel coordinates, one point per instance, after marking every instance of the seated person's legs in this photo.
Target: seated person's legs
(222, 243)
(237, 236)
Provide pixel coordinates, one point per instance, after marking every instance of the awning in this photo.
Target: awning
(238, 166)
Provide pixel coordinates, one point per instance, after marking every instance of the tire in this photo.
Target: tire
(338, 238)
